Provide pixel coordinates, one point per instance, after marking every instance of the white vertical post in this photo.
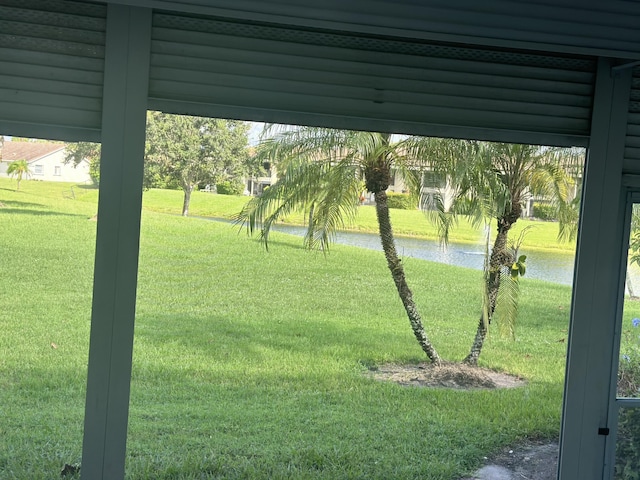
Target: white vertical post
(595, 288)
(126, 81)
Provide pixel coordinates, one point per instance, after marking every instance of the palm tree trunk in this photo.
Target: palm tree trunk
(500, 256)
(397, 272)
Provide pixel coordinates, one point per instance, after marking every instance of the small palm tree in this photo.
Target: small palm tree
(321, 173)
(19, 168)
(492, 181)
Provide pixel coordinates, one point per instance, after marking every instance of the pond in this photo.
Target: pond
(549, 266)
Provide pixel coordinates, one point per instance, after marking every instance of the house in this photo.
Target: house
(563, 73)
(46, 161)
(255, 184)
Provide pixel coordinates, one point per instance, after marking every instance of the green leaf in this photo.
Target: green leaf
(522, 258)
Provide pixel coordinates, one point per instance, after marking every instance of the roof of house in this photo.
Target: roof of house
(28, 151)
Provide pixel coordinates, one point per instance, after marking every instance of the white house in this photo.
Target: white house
(46, 161)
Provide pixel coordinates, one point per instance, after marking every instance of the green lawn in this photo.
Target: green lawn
(250, 364)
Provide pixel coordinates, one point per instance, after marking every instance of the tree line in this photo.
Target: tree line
(184, 152)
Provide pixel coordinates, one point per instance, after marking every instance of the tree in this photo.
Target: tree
(492, 181)
(19, 168)
(189, 151)
(80, 151)
(321, 174)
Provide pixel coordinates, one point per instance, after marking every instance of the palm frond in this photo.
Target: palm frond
(433, 206)
(293, 192)
(318, 175)
(335, 206)
(506, 312)
(555, 178)
(507, 302)
(486, 302)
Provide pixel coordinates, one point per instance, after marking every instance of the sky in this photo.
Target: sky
(254, 133)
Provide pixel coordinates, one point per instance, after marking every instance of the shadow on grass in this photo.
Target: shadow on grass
(38, 213)
(227, 339)
(13, 203)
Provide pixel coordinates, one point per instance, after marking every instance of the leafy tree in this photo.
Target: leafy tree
(492, 181)
(189, 151)
(230, 187)
(321, 173)
(77, 152)
(18, 169)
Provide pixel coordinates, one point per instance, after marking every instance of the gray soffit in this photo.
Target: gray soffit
(632, 144)
(52, 67)
(583, 27)
(207, 66)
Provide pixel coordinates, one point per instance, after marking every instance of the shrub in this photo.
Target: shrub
(230, 187)
(627, 463)
(627, 448)
(402, 201)
(544, 212)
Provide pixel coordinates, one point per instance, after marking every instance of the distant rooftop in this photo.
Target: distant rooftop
(28, 151)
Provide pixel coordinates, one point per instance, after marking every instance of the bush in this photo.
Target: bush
(627, 463)
(544, 212)
(230, 187)
(402, 201)
(627, 449)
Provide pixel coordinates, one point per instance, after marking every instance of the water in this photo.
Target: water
(548, 266)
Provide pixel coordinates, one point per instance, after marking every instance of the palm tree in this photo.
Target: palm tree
(19, 168)
(321, 174)
(492, 181)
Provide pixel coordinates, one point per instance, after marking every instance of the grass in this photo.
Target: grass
(250, 364)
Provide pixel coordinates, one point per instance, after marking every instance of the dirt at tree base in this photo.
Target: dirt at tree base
(448, 375)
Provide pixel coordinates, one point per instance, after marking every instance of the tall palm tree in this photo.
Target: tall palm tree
(321, 172)
(19, 168)
(492, 181)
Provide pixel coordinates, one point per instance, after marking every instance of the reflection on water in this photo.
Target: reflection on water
(548, 266)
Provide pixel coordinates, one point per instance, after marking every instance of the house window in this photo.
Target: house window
(434, 180)
(38, 170)
(57, 170)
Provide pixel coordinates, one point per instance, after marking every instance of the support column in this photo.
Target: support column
(126, 81)
(596, 278)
